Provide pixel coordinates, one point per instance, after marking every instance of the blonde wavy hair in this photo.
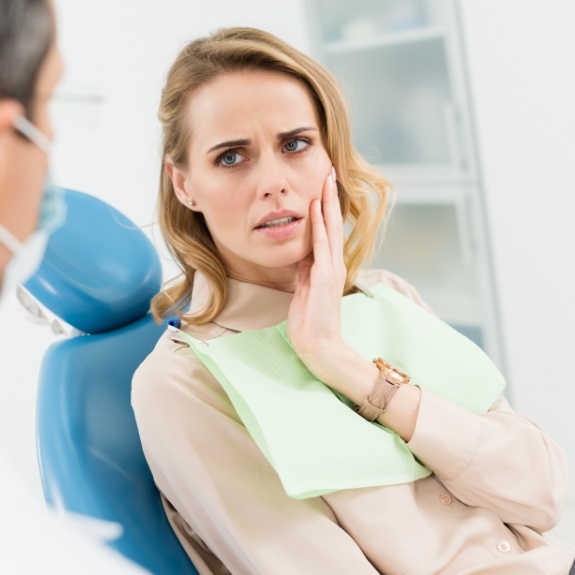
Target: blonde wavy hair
(363, 191)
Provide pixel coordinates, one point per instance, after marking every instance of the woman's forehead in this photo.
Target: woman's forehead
(248, 99)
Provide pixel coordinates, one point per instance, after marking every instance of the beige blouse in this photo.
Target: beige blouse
(498, 480)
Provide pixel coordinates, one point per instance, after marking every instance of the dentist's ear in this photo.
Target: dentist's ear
(180, 184)
(10, 111)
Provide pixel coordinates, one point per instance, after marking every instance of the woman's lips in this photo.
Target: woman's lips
(280, 228)
(278, 222)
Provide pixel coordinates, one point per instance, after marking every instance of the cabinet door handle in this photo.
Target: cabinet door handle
(466, 228)
(454, 140)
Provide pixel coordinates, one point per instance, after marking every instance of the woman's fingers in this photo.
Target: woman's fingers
(313, 319)
(321, 248)
(325, 215)
(333, 229)
(327, 232)
(333, 218)
(303, 271)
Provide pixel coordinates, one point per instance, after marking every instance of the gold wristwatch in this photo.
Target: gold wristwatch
(387, 384)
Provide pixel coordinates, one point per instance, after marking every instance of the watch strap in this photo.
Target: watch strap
(388, 382)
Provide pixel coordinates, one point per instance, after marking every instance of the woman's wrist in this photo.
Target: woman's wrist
(403, 409)
(345, 371)
(341, 368)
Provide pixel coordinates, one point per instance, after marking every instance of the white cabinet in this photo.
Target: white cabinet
(400, 63)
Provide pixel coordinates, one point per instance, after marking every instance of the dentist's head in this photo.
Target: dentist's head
(30, 67)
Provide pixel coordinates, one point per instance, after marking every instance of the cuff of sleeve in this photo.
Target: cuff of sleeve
(445, 436)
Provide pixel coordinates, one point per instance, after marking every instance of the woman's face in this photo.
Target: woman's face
(256, 160)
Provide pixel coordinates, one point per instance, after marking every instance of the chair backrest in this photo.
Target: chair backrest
(99, 274)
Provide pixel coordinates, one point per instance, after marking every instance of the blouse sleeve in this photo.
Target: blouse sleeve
(499, 460)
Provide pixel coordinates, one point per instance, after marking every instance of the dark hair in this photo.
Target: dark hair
(26, 34)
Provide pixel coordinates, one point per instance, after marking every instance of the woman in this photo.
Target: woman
(255, 136)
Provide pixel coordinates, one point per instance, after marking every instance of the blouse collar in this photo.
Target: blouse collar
(249, 306)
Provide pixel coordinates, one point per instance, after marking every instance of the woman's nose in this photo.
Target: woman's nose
(271, 180)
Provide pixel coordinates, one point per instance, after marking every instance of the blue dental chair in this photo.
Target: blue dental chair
(97, 279)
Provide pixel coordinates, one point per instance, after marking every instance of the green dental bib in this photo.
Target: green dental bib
(312, 436)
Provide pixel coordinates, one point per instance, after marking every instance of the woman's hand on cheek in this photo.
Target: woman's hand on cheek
(314, 320)
(314, 327)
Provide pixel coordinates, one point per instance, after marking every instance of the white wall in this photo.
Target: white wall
(521, 56)
(116, 52)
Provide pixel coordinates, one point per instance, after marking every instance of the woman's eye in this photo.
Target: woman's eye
(229, 159)
(296, 145)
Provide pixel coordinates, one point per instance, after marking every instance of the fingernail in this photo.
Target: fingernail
(333, 178)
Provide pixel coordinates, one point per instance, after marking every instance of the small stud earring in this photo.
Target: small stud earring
(191, 203)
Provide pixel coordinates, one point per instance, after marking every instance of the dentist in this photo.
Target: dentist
(31, 207)
(30, 67)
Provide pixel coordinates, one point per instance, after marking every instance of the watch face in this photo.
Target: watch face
(381, 364)
(394, 375)
(397, 377)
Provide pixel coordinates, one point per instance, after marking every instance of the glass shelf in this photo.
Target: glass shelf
(361, 19)
(423, 244)
(401, 102)
(385, 40)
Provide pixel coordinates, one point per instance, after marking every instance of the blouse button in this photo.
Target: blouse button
(446, 499)
(504, 546)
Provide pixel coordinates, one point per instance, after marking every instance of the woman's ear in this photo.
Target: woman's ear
(180, 183)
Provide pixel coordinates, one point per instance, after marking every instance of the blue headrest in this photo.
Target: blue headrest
(100, 270)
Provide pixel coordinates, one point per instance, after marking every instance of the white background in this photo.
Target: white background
(521, 63)
(521, 59)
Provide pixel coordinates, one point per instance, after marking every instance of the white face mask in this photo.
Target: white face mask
(28, 255)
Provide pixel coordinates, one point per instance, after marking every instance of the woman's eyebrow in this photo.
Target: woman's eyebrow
(284, 135)
(229, 144)
(246, 142)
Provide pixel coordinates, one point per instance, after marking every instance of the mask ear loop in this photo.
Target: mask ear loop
(9, 240)
(32, 133)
